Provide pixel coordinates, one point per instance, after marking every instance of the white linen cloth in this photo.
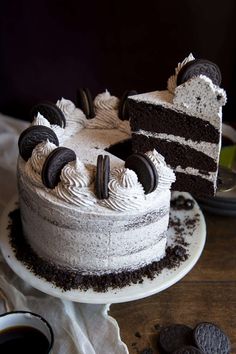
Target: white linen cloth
(78, 328)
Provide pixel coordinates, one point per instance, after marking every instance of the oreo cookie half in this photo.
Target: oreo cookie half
(188, 350)
(199, 67)
(123, 112)
(85, 102)
(33, 136)
(211, 339)
(174, 337)
(53, 165)
(50, 111)
(102, 177)
(144, 169)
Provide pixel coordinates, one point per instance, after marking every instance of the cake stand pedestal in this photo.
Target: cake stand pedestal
(194, 237)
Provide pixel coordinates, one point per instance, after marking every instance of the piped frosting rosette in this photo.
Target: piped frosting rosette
(75, 117)
(106, 110)
(165, 174)
(172, 81)
(34, 165)
(41, 120)
(125, 192)
(75, 184)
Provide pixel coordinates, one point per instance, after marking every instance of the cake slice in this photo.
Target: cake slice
(183, 123)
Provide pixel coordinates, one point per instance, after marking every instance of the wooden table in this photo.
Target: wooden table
(207, 293)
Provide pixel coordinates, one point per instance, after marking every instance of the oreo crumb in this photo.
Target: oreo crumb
(68, 279)
(137, 334)
(157, 326)
(181, 203)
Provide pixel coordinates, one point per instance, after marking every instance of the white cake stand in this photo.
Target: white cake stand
(196, 241)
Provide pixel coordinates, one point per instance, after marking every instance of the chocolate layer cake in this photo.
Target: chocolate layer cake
(183, 123)
(80, 211)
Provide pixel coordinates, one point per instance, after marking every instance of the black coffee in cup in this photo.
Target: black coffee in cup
(25, 332)
(23, 339)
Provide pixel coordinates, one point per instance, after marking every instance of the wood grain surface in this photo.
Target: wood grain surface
(207, 293)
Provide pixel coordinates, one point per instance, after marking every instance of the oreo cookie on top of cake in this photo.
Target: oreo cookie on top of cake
(183, 123)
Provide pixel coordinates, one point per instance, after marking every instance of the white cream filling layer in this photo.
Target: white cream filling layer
(210, 149)
(195, 172)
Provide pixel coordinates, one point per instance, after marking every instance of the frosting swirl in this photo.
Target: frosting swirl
(75, 184)
(34, 165)
(125, 192)
(106, 109)
(59, 131)
(172, 81)
(165, 175)
(75, 118)
(70, 111)
(105, 101)
(40, 120)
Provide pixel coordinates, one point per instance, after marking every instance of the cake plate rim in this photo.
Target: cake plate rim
(128, 293)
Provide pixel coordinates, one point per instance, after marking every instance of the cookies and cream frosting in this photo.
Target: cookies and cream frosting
(106, 114)
(34, 165)
(69, 225)
(75, 183)
(77, 187)
(172, 81)
(41, 120)
(125, 192)
(165, 174)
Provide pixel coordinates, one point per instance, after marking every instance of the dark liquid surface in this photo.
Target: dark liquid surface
(23, 339)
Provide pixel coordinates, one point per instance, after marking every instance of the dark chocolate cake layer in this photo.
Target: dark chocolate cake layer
(175, 153)
(156, 118)
(199, 186)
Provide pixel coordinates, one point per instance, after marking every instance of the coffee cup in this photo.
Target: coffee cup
(25, 332)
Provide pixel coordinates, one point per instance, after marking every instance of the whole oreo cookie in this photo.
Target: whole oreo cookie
(188, 350)
(199, 67)
(144, 169)
(211, 339)
(102, 176)
(123, 112)
(85, 102)
(33, 136)
(50, 111)
(174, 337)
(53, 165)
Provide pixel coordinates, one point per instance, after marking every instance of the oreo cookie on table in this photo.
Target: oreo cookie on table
(174, 337)
(53, 165)
(211, 339)
(50, 111)
(85, 102)
(199, 67)
(33, 136)
(145, 171)
(123, 112)
(102, 177)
